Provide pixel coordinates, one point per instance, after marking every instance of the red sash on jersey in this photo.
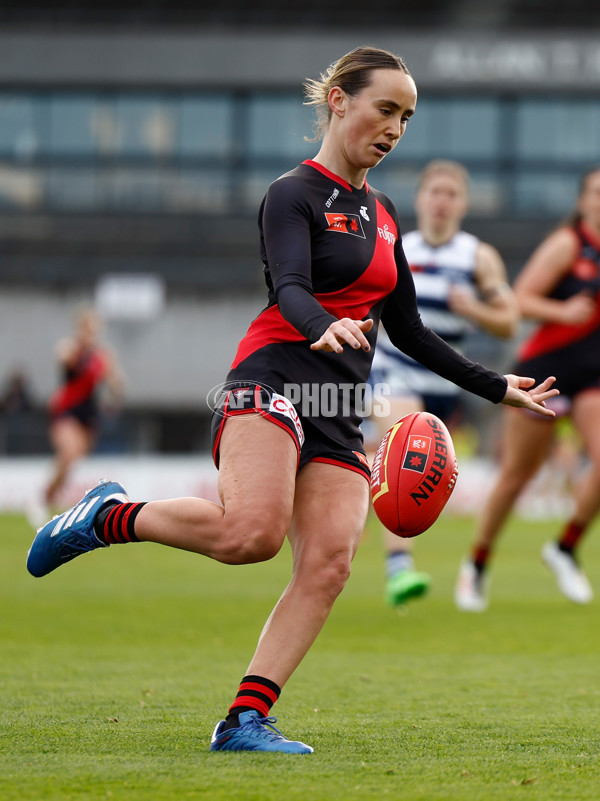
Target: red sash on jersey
(553, 336)
(89, 372)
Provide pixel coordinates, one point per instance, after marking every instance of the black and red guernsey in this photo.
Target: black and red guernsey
(330, 251)
(77, 394)
(570, 352)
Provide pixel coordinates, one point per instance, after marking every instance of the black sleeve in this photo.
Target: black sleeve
(405, 328)
(286, 234)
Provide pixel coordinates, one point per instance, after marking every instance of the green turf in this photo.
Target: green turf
(114, 670)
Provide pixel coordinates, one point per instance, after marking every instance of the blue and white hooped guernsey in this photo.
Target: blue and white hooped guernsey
(434, 270)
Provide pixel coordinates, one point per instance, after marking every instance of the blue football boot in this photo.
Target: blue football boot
(255, 734)
(72, 533)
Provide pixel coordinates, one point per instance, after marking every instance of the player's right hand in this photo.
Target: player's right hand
(577, 309)
(344, 332)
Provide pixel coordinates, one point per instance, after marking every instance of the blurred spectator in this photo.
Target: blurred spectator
(16, 395)
(16, 408)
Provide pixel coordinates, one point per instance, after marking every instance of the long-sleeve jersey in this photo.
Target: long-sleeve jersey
(330, 251)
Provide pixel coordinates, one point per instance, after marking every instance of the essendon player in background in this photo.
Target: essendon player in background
(334, 265)
(84, 366)
(560, 287)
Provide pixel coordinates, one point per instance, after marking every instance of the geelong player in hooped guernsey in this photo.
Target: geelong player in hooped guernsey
(461, 286)
(435, 269)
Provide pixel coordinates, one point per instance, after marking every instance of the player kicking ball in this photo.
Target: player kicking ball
(334, 266)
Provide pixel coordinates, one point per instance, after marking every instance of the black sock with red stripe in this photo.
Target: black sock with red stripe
(480, 557)
(115, 523)
(569, 539)
(256, 693)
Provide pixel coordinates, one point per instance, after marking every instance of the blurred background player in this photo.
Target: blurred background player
(459, 281)
(560, 287)
(85, 365)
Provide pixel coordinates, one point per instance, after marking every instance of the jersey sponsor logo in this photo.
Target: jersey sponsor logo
(345, 224)
(363, 213)
(385, 233)
(282, 405)
(332, 197)
(417, 453)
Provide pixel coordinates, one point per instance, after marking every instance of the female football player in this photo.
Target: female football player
(560, 287)
(286, 428)
(85, 366)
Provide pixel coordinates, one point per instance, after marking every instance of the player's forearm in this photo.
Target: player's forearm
(500, 322)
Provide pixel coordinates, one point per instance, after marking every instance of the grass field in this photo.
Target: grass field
(115, 669)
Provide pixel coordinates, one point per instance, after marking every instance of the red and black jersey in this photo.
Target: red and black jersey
(329, 251)
(569, 352)
(77, 394)
(584, 276)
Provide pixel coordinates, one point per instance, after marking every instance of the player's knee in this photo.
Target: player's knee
(515, 479)
(253, 538)
(329, 577)
(339, 571)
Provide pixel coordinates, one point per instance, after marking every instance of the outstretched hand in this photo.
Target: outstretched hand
(521, 392)
(342, 332)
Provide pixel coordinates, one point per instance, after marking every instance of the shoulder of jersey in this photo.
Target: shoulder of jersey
(384, 201)
(412, 237)
(465, 238)
(297, 174)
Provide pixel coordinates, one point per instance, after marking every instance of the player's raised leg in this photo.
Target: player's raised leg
(256, 484)
(257, 475)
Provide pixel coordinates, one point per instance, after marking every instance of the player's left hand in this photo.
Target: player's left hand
(521, 392)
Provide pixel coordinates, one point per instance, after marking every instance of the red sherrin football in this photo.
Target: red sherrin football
(414, 473)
